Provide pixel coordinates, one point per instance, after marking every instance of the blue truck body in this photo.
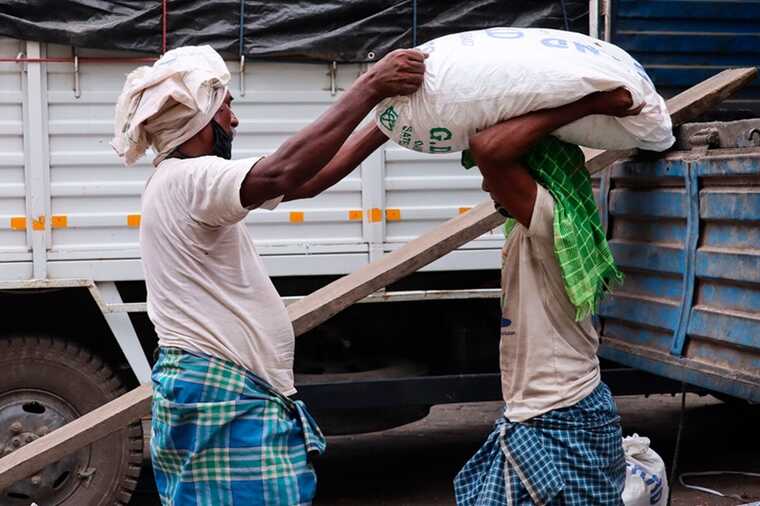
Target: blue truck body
(683, 42)
(685, 229)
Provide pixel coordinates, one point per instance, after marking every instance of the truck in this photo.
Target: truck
(684, 227)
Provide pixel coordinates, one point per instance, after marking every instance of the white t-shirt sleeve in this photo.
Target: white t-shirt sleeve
(214, 191)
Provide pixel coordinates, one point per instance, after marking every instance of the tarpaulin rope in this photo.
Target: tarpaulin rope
(564, 15)
(242, 26)
(242, 48)
(414, 23)
(164, 16)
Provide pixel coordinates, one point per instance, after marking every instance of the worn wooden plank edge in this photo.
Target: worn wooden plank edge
(86, 429)
(686, 106)
(329, 300)
(315, 308)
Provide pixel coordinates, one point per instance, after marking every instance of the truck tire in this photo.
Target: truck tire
(45, 383)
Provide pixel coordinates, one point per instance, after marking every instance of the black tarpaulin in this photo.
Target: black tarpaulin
(343, 31)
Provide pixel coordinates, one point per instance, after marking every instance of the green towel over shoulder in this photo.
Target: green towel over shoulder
(585, 259)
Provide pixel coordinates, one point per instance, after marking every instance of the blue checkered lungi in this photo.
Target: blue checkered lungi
(570, 456)
(224, 437)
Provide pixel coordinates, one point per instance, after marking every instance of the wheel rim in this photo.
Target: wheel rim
(26, 415)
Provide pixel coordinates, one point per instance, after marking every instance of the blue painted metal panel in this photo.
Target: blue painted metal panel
(730, 297)
(657, 285)
(730, 234)
(662, 231)
(731, 205)
(731, 165)
(744, 267)
(686, 232)
(648, 257)
(690, 251)
(663, 203)
(682, 42)
(738, 329)
(651, 313)
(640, 336)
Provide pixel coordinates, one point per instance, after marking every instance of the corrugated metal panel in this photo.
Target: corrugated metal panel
(682, 42)
(14, 245)
(424, 190)
(97, 200)
(281, 99)
(686, 232)
(91, 194)
(91, 226)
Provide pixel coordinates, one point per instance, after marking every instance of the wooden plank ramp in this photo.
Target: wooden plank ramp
(333, 298)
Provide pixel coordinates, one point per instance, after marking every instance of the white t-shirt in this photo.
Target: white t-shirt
(548, 360)
(208, 291)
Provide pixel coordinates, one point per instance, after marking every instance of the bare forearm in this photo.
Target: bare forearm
(358, 147)
(512, 139)
(498, 150)
(400, 72)
(304, 154)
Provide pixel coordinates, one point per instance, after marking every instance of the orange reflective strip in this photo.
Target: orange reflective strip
(59, 221)
(18, 222)
(296, 217)
(354, 215)
(133, 220)
(375, 215)
(463, 210)
(39, 223)
(393, 214)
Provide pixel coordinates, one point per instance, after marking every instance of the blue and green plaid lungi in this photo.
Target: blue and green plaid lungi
(570, 456)
(224, 437)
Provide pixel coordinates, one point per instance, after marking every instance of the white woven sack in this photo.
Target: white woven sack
(476, 79)
(646, 482)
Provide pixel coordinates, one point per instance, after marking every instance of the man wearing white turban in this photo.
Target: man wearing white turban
(225, 430)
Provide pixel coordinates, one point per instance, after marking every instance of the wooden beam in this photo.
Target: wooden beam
(86, 429)
(341, 293)
(326, 302)
(686, 106)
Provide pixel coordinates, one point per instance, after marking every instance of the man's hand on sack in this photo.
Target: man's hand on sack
(617, 102)
(400, 72)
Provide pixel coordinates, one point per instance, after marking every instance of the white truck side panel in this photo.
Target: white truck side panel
(14, 238)
(94, 202)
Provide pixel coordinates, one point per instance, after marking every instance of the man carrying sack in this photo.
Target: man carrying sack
(225, 430)
(559, 442)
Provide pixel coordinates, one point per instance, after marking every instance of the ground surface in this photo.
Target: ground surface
(413, 465)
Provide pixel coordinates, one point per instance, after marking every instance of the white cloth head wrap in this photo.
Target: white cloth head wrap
(166, 104)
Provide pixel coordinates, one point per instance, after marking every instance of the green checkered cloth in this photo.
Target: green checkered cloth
(584, 257)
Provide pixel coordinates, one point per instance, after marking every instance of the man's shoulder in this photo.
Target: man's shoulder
(192, 170)
(175, 173)
(177, 168)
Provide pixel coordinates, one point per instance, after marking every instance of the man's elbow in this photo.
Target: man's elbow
(488, 153)
(287, 179)
(266, 184)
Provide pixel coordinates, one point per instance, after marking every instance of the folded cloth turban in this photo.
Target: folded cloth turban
(164, 105)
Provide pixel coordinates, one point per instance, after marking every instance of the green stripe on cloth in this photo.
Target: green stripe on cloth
(223, 436)
(585, 259)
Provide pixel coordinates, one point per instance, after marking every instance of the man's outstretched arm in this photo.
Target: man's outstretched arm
(359, 146)
(299, 158)
(498, 150)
